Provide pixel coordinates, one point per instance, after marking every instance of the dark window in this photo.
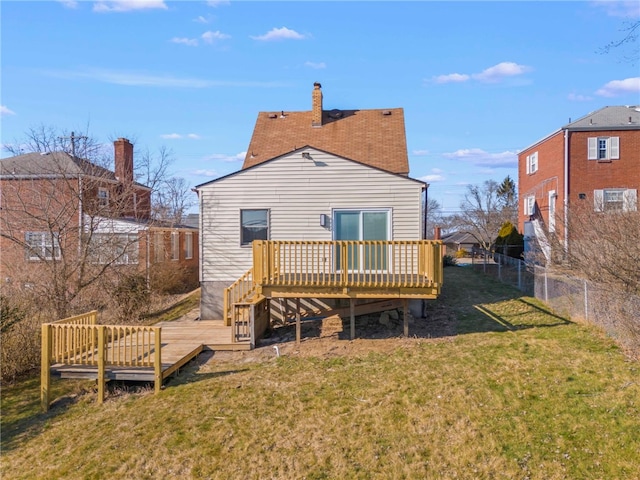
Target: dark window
(254, 226)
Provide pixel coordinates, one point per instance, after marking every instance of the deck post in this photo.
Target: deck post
(157, 360)
(405, 315)
(298, 326)
(45, 371)
(352, 314)
(102, 352)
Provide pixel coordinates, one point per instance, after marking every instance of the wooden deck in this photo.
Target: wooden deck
(181, 343)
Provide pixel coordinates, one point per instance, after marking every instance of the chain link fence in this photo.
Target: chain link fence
(616, 312)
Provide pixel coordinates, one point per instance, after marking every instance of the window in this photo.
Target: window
(603, 148)
(175, 246)
(103, 197)
(115, 248)
(532, 163)
(188, 245)
(254, 226)
(615, 200)
(529, 205)
(41, 246)
(158, 247)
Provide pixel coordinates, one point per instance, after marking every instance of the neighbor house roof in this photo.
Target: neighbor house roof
(49, 164)
(372, 137)
(609, 118)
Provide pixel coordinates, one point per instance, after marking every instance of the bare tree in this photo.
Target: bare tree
(59, 227)
(629, 39)
(173, 199)
(482, 213)
(603, 247)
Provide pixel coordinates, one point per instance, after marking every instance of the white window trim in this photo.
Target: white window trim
(529, 203)
(103, 197)
(47, 243)
(613, 148)
(629, 199)
(532, 163)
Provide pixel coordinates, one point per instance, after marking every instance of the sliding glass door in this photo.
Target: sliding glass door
(363, 225)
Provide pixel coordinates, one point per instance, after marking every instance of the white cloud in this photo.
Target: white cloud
(104, 6)
(192, 42)
(201, 19)
(218, 3)
(500, 71)
(205, 173)
(69, 3)
(177, 136)
(221, 157)
(315, 65)
(209, 36)
(625, 9)
(492, 74)
(432, 178)
(136, 79)
(576, 97)
(451, 78)
(420, 152)
(620, 87)
(481, 158)
(279, 34)
(6, 111)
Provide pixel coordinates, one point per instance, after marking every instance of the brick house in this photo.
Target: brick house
(56, 207)
(593, 161)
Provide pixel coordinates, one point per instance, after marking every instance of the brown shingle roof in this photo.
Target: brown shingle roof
(371, 137)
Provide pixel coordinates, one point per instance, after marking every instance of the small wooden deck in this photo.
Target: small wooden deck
(181, 343)
(79, 347)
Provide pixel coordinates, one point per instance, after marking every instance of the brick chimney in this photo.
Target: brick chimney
(316, 105)
(123, 159)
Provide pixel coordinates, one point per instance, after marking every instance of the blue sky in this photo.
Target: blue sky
(478, 81)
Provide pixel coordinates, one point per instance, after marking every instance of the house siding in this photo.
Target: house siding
(296, 191)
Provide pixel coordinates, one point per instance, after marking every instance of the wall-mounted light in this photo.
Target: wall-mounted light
(306, 155)
(324, 220)
(582, 196)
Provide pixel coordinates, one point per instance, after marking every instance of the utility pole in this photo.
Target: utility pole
(73, 139)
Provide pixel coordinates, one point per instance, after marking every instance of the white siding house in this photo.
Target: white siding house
(306, 194)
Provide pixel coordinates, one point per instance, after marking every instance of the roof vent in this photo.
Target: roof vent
(335, 113)
(386, 112)
(273, 115)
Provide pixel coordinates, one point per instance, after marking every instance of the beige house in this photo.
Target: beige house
(312, 176)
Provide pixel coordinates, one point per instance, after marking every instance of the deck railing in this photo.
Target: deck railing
(375, 264)
(101, 346)
(238, 292)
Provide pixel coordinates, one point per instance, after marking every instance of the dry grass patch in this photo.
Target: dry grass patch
(521, 394)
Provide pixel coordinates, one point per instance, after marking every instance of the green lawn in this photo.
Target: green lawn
(516, 392)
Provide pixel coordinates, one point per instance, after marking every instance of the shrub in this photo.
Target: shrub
(462, 253)
(132, 297)
(20, 346)
(449, 261)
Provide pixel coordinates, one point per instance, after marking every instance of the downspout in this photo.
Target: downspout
(148, 261)
(566, 191)
(425, 212)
